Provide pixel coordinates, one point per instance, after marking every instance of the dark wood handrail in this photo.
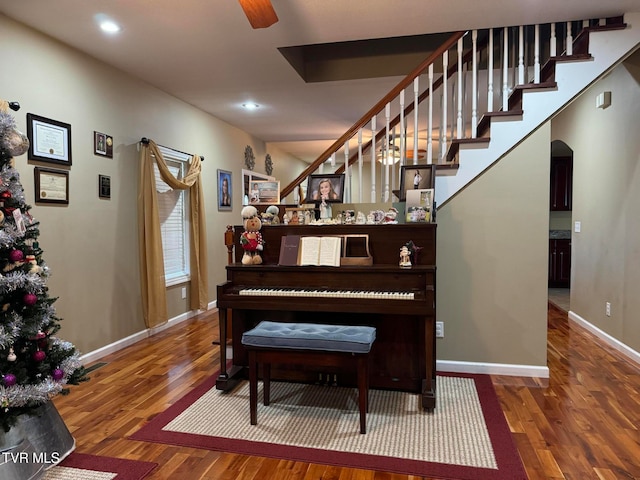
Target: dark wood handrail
(404, 83)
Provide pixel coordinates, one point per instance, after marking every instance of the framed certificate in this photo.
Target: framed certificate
(49, 140)
(51, 186)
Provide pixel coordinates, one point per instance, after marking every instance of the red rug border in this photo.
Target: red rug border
(507, 456)
(124, 468)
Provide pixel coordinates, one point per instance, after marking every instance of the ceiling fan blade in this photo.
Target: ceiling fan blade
(259, 12)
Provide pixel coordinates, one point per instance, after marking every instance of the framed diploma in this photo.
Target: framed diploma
(49, 140)
(52, 186)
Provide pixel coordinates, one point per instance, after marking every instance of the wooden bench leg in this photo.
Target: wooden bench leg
(363, 392)
(253, 387)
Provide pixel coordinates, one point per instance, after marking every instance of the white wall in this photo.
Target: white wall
(91, 244)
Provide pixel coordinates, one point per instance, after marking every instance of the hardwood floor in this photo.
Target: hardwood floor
(581, 423)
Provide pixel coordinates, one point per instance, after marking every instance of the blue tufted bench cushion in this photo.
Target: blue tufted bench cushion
(310, 336)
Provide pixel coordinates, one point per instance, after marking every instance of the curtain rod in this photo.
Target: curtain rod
(145, 140)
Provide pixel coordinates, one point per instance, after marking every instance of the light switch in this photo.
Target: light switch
(577, 227)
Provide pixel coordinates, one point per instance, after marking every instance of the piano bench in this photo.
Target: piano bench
(308, 344)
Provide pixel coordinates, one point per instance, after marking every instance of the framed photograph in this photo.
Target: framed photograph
(102, 144)
(416, 177)
(327, 187)
(419, 205)
(247, 178)
(51, 186)
(49, 140)
(225, 193)
(104, 186)
(299, 216)
(264, 192)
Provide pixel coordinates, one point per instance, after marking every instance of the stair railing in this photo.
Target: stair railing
(500, 59)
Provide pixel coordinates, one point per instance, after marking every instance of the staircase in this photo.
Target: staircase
(461, 126)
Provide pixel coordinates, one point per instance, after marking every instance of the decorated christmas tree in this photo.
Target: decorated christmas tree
(35, 365)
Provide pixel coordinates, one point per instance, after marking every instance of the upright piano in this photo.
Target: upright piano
(398, 301)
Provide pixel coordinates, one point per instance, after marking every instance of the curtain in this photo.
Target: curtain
(152, 281)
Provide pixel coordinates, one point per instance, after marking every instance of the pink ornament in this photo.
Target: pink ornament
(16, 256)
(39, 355)
(9, 379)
(57, 374)
(29, 299)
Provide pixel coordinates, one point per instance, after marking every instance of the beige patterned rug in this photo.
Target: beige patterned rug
(466, 437)
(78, 466)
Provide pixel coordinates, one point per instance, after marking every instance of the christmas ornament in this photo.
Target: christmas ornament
(16, 255)
(6, 195)
(12, 356)
(39, 355)
(57, 374)
(29, 299)
(9, 379)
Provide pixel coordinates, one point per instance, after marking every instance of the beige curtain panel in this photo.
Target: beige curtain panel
(152, 281)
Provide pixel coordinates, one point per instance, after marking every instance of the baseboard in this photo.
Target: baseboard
(493, 369)
(606, 338)
(95, 355)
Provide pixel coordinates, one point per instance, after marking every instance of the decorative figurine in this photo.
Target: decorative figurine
(405, 257)
(251, 238)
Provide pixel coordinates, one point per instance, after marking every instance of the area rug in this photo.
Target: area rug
(79, 466)
(466, 437)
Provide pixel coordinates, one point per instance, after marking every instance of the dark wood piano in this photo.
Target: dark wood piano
(398, 302)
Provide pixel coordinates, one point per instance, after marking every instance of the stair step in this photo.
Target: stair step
(446, 169)
(515, 99)
(484, 125)
(456, 142)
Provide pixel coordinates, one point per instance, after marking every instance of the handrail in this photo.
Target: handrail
(393, 93)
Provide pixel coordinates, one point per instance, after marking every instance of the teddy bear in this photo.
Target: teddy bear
(251, 239)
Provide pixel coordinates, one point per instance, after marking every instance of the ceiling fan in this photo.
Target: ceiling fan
(259, 12)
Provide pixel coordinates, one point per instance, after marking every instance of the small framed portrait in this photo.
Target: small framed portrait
(104, 186)
(416, 177)
(225, 192)
(102, 144)
(264, 192)
(327, 188)
(248, 177)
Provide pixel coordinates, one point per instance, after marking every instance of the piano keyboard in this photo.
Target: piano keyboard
(315, 293)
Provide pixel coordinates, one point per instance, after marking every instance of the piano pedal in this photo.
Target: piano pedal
(320, 381)
(335, 380)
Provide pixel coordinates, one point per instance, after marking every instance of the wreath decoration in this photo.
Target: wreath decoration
(249, 157)
(268, 164)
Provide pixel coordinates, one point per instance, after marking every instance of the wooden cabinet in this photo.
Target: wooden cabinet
(559, 262)
(561, 189)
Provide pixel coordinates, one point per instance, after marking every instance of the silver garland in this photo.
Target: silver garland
(30, 282)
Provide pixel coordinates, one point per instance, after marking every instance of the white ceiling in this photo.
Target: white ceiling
(207, 54)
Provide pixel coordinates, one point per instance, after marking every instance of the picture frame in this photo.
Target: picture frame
(49, 140)
(247, 177)
(225, 190)
(51, 186)
(419, 206)
(102, 144)
(104, 186)
(316, 182)
(416, 177)
(264, 192)
(299, 215)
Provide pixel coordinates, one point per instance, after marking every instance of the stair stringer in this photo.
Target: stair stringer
(608, 48)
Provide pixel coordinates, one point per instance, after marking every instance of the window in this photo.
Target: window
(174, 219)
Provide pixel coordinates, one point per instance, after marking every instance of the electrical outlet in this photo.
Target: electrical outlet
(607, 309)
(439, 330)
(184, 292)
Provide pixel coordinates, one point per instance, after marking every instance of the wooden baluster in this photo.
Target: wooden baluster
(460, 97)
(505, 70)
(416, 91)
(360, 185)
(373, 159)
(474, 85)
(521, 55)
(443, 128)
(536, 54)
(347, 173)
(385, 162)
(490, 73)
(553, 41)
(430, 121)
(569, 40)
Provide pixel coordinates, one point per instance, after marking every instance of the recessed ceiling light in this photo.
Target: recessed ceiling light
(110, 26)
(250, 106)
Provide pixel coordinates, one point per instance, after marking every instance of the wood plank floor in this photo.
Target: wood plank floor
(581, 423)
